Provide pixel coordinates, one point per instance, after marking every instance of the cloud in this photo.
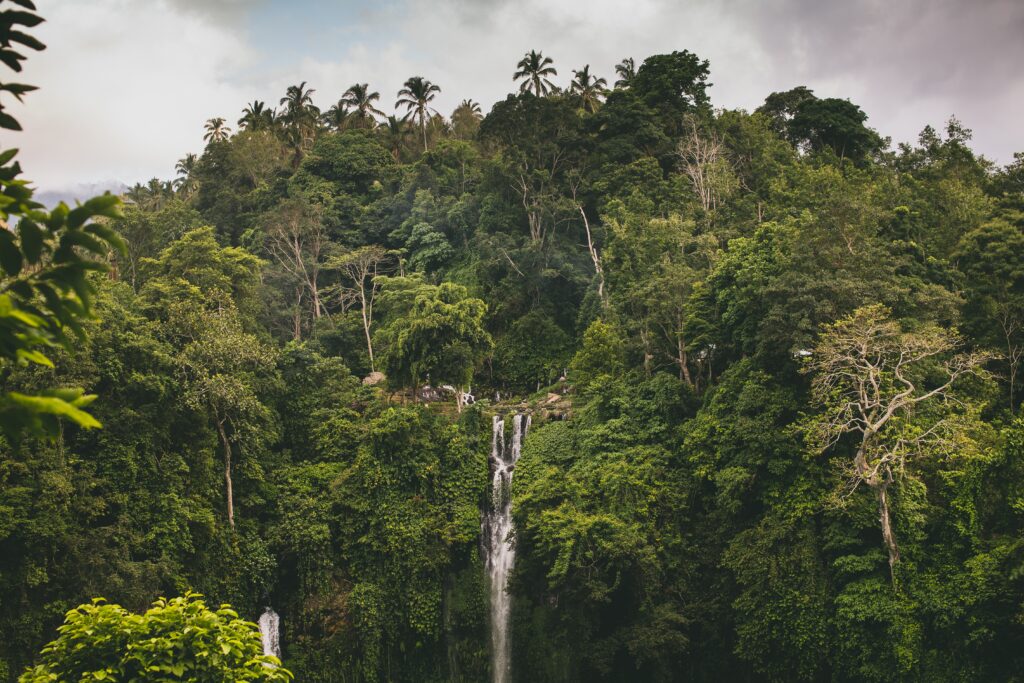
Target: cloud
(217, 10)
(124, 90)
(907, 63)
(128, 84)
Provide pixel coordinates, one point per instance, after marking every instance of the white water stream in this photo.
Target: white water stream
(501, 554)
(269, 624)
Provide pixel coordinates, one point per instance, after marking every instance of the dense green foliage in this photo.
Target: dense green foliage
(175, 640)
(794, 449)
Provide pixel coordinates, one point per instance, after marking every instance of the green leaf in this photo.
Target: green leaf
(12, 59)
(34, 356)
(26, 40)
(6, 120)
(51, 405)
(31, 239)
(10, 254)
(78, 216)
(57, 216)
(81, 239)
(104, 205)
(17, 89)
(18, 17)
(107, 233)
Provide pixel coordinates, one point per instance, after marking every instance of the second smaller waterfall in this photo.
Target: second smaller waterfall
(270, 624)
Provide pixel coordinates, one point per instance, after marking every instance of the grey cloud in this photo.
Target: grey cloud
(216, 10)
(928, 43)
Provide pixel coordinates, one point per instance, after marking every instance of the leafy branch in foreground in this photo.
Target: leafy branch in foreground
(46, 258)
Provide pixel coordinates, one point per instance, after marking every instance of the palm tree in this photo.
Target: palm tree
(466, 119)
(152, 196)
(626, 69)
(298, 102)
(534, 69)
(256, 116)
(186, 183)
(415, 96)
(589, 88)
(361, 100)
(471, 107)
(216, 130)
(395, 132)
(338, 116)
(302, 117)
(136, 194)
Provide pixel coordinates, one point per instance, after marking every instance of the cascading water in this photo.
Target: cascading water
(500, 553)
(269, 632)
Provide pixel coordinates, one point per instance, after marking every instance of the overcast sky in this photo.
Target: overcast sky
(127, 84)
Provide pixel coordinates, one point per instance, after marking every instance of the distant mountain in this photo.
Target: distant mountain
(79, 192)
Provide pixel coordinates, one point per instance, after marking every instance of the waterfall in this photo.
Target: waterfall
(269, 632)
(500, 553)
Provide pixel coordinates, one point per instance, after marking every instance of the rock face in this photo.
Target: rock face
(373, 378)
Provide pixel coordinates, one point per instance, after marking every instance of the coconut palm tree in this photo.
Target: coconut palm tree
(186, 183)
(256, 116)
(337, 116)
(136, 194)
(298, 102)
(361, 100)
(626, 69)
(415, 96)
(152, 196)
(470, 107)
(216, 130)
(394, 133)
(466, 119)
(534, 69)
(302, 117)
(589, 88)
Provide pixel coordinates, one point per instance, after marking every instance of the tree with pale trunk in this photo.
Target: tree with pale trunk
(361, 269)
(870, 377)
(595, 256)
(704, 162)
(297, 239)
(222, 367)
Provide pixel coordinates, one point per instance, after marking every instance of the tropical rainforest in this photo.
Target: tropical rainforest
(772, 364)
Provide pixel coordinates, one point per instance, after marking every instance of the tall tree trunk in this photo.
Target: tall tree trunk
(595, 257)
(684, 366)
(317, 306)
(297, 316)
(887, 533)
(366, 323)
(879, 481)
(227, 472)
(648, 356)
